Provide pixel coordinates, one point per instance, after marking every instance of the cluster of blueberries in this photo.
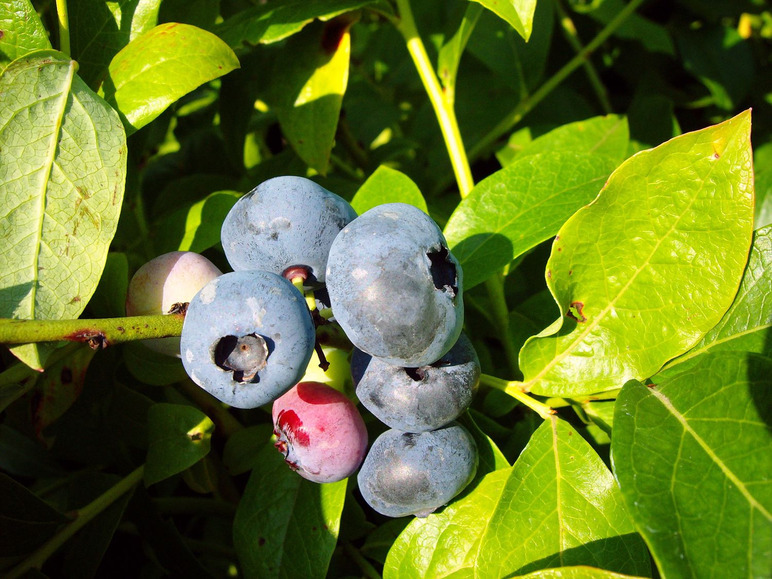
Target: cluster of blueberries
(395, 290)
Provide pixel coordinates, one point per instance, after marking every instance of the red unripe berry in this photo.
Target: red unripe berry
(319, 431)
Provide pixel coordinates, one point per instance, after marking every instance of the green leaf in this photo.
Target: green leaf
(25, 520)
(268, 23)
(607, 135)
(558, 505)
(160, 66)
(62, 176)
(178, 436)
(763, 175)
(641, 277)
(693, 456)
(100, 29)
(745, 326)
(308, 82)
(152, 367)
(517, 13)
(387, 185)
(653, 37)
(196, 228)
(242, 449)
(450, 54)
(520, 206)
(579, 572)
(22, 30)
(286, 526)
(109, 299)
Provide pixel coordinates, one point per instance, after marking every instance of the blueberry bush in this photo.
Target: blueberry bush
(604, 238)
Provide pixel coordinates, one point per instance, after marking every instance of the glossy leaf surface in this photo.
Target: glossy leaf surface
(22, 30)
(62, 177)
(693, 456)
(650, 266)
(558, 505)
(159, 67)
(387, 185)
(520, 206)
(518, 13)
(286, 526)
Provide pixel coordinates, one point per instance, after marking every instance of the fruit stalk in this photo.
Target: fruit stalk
(512, 388)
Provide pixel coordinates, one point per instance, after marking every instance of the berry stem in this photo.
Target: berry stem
(441, 102)
(64, 26)
(512, 387)
(97, 333)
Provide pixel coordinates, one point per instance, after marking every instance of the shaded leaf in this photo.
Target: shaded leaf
(178, 436)
(653, 36)
(62, 176)
(26, 521)
(308, 82)
(763, 175)
(640, 278)
(22, 30)
(693, 456)
(100, 29)
(109, 299)
(520, 206)
(268, 23)
(286, 526)
(387, 185)
(159, 67)
(152, 367)
(450, 54)
(517, 13)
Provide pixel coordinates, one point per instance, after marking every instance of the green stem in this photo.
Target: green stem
(97, 333)
(512, 387)
(224, 421)
(572, 37)
(64, 26)
(81, 518)
(367, 569)
(446, 116)
(526, 105)
(495, 287)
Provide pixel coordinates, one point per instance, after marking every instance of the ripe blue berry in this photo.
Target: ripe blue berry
(247, 337)
(418, 399)
(394, 287)
(284, 222)
(319, 431)
(409, 473)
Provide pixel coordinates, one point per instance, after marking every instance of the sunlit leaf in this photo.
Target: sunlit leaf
(62, 177)
(518, 13)
(693, 456)
(387, 185)
(641, 277)
(22, 30)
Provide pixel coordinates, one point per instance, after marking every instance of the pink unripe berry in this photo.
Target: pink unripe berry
(164, 282)
(319, 431)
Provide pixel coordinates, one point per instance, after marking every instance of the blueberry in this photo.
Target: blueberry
(284, 222)
(164, 283)
(247, 337)
(418, 399)
(407, 473)
(394, 287)
(319, 431)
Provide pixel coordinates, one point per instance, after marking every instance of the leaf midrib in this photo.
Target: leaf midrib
(54, 141)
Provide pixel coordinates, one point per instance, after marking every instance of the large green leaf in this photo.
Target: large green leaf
(270, 22)
(159, 67)
(100, 29)
(387, 185)
(520, 206)
(286, 526)
(308, 82)
(763, 175)
(746, 324)
(578, 572)
(178, 437)
(62, 173)
(693, 456)
(642, 273)
(518, 13)
(21, 30)
(558, 505)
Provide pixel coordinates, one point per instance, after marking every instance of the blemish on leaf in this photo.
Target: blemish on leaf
(1, 34)
(65, 376)
(261, 541)
(575, 312)
(549, 274)
(334, 31)
(75, 300)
